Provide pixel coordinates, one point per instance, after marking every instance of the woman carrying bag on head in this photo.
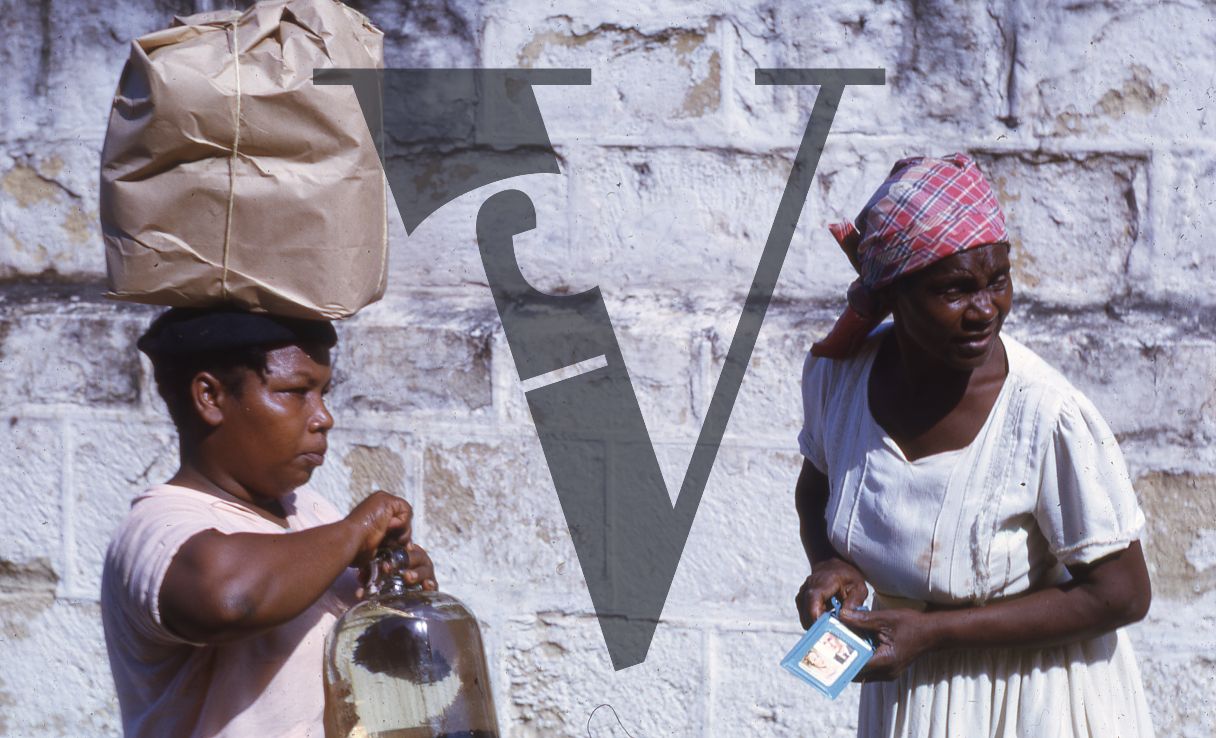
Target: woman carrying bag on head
(978, 493)
(221, 584)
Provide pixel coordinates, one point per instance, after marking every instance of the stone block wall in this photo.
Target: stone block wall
(1093, 120)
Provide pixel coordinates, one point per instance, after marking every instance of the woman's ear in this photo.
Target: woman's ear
(207, 394)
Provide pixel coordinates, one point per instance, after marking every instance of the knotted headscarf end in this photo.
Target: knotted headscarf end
(926, 210)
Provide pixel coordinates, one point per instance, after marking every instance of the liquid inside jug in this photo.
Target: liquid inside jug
(407, 663)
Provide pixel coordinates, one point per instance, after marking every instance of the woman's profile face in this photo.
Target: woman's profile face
(953, 310)
(274, 429)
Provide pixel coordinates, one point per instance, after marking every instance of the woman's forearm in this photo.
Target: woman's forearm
(831, 576)
(1110, 594)
(221, 587)
(293, 570)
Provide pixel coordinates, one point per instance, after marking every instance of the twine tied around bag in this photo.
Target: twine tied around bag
(236, 142)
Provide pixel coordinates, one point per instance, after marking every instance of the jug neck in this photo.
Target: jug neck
(394, 584)
(387, 576)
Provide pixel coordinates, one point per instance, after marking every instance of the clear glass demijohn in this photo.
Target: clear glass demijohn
(406, 663)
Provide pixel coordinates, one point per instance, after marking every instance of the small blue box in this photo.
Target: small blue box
(828, 656)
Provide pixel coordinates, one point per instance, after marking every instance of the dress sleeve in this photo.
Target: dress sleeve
(140, 555)
(1087, 508)
(814, 396)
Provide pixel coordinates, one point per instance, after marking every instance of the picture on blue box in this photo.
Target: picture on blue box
(828, 658)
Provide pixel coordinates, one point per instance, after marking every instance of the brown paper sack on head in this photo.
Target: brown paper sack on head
(227, 177)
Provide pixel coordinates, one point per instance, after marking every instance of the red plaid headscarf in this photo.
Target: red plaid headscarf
(926, 210)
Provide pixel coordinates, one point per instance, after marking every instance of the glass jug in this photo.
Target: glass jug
(406, 663)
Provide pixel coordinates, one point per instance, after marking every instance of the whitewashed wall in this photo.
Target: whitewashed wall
(1094, 121)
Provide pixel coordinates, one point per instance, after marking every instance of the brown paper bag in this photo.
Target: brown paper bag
(227, 177)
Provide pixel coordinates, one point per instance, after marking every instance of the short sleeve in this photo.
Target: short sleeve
(1087, 508)
(814, 396)
(140, 555)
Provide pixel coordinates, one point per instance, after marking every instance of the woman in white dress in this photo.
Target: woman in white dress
(978, 493)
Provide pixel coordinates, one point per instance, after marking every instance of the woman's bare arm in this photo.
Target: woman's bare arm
(222, 587)
(831, 576)
(1102, 596)
(811, 501)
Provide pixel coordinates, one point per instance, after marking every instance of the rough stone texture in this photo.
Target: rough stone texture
(360, 462)
(1073, 222)
(46, 58)
(64, 61)
(393, 368)
(82, 359)
(1120, 70)
(770, 702)
(648, 79)
(769, 405)
(545, 652)
(111, 463)
(56, 679)
(743, 557)
(31, 476)
(942, 72)
(1092, 119)
(1140, 386)
(1180, 690)
(48, 215)
(1181, 257)
(857, 34)
(1181, 513)
(664, 369)
(493, 511)
(630, 204)
(426, 34)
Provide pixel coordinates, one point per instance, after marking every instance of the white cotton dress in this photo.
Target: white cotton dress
(1043, 485)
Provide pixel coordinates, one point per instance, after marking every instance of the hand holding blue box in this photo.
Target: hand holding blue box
(829, 655)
